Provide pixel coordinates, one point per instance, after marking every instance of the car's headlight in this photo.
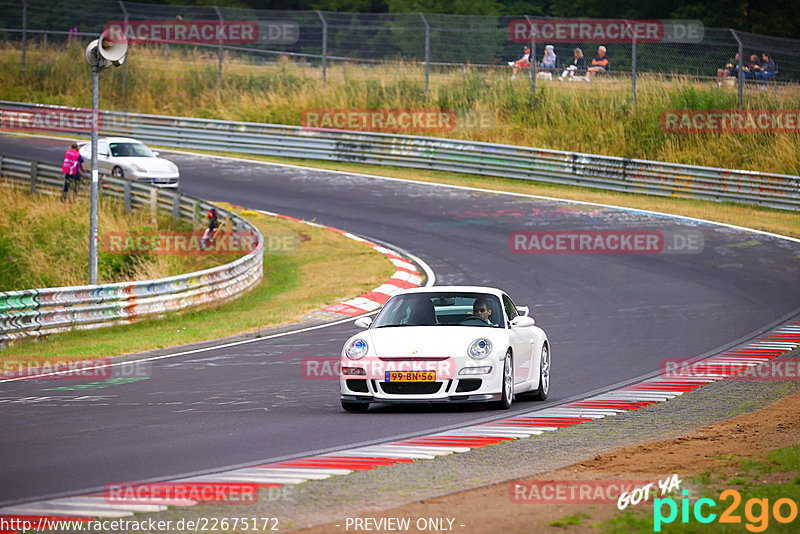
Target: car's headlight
(480, 348)
(138, 168)
(356, 349)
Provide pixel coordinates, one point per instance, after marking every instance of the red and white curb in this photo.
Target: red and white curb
(406, 276)
(290, 472)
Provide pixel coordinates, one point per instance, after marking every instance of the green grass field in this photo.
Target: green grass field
(582, 117)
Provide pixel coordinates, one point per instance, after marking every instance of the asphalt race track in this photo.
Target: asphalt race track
(610, 318)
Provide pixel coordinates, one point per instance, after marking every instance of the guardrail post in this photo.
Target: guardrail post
(34, 175)
(1, 164)
(126, 195)
(176, 207)
(153, 207)
(195, 215)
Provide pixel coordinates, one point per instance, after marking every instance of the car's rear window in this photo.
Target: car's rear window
(443, 308)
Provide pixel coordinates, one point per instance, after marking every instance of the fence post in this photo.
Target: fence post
(34, 175)
(532, 60)
(176, 207)
(125, 64)
(324, 46)
(220, 51)
(24, 36)
(633, 65)
(126, 195)
(427, 50)
(741, 65)
(153, 207)
(344, 69)
(195, 215)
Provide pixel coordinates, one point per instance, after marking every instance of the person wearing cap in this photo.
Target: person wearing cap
(72, 167)
(522, 63)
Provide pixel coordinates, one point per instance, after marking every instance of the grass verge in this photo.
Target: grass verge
(44, 243)
(581, 117)
(758, 490)
(325, 268)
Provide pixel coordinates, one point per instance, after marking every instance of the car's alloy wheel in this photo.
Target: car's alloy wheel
(508, 384)
(357, 407)
(544, 375)
(117, 172)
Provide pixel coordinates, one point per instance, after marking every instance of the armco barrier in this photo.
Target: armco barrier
(572, 168)
(33, 312)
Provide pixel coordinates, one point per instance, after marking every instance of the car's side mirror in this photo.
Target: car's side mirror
(523, 310)
(363, 322)
(522, 321)
(155, 153)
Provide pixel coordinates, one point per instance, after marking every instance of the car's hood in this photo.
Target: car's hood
(430, 341)
(149, 164)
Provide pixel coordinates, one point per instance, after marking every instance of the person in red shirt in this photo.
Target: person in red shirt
(522, 63)
(599, 64)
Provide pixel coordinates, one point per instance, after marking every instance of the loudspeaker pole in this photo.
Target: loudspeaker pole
(100, 53)
(95, 175)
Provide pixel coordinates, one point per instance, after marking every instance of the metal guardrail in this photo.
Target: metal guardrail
(488, 159)
(32, 312)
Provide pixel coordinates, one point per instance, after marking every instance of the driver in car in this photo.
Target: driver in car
(481, 311)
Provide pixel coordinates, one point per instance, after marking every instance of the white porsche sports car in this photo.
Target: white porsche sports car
(123, 157)
(445, 344)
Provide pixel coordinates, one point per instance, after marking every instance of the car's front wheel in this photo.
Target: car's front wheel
(357, 407)
(117, 172)
(507, 394)
(544, 375)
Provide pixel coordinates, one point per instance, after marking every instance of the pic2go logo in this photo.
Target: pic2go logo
(756, 511)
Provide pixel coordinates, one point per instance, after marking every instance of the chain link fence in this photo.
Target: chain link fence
(439, 42)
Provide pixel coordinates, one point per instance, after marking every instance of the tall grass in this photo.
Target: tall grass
(45, 243)
(570, 116)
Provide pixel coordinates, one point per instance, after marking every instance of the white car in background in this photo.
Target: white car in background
(123, 157)
(445, 344)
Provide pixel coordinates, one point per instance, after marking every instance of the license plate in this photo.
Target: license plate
(410, 376)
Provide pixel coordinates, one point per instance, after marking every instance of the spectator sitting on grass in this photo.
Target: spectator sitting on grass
(523, 62)
(549, 58)
(731, 69)
(578, 64)
(767, 70)
(752, 68)
(600, 63)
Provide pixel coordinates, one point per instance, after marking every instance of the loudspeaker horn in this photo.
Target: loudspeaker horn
(112, 50)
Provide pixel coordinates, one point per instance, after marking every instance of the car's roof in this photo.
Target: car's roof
(120, 140)
(455, 289)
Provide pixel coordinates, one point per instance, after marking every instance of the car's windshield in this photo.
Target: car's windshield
(442, 308)
(121, 150)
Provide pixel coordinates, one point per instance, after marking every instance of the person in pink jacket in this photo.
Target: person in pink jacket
(72, 167)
